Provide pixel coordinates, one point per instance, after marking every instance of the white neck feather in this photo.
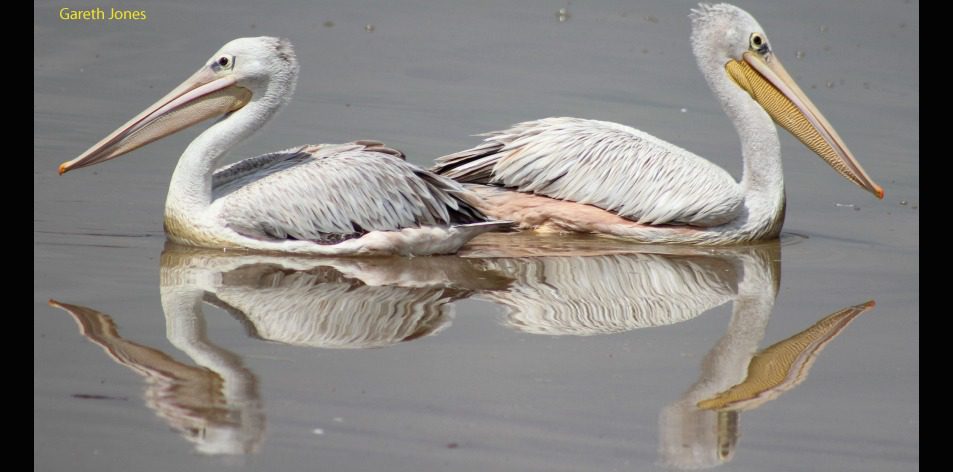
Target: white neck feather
(762, 179)
(190, 192)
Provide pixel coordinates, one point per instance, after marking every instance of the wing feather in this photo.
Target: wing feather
(607, 165)
(328, 193)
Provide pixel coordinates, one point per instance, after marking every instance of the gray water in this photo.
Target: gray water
(527, 354)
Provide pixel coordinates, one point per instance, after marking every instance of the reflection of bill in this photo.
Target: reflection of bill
(701, 429)
(214, 404)
(784, 365)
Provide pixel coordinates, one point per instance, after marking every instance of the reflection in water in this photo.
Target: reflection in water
(327, 302)
(610, 294)
(603, 287)
(597, 285)
(701, 429)
(582, 286)
(215, 405)
(785, 364)
(337, 303)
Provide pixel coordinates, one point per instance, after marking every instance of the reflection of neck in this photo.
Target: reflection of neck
(689, 437)
(186, 330)
(727, 362)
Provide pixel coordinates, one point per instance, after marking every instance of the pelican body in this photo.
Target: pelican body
(355, 198)
(570, 174)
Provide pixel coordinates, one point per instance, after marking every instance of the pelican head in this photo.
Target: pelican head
(728, 39)
(246, 70)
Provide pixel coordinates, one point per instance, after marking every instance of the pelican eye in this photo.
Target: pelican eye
(223, 62)
(758, 43)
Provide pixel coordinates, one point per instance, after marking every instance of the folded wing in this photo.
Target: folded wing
(607, 165)
(327, 193)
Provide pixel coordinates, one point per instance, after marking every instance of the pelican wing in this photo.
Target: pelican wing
(607, 165)
(328, 193)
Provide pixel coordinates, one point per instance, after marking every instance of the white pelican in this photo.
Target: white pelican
(355, 198)
(569, 174)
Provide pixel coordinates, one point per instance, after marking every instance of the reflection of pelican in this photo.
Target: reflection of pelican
(326, 302)
(569, 174)
(701, 429)
(313, 302)
(785, 364)
(215, 405)
(590, 285)
(589, 294)
(360, 197)
(608, 294)
(375, 302)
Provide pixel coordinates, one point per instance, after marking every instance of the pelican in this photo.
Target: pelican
(327, 199)
(570, 174)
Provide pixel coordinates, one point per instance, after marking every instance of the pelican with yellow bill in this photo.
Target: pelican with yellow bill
(580, 175)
